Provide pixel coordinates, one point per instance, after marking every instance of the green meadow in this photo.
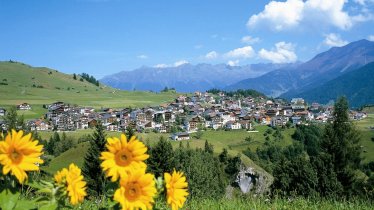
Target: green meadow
(366, 126)
(233, 141)
(261, 203)
(37, 86)
(21, 83)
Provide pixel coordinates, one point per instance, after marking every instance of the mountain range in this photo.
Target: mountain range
(357, 86)
(276, 80)
(187, 77)
(289, 82)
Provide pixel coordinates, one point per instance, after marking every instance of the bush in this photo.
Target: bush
(248, 139)
(205, 173)
(161, 157)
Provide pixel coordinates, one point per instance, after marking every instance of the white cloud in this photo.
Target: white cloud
(142, 56)
(181, 62)
(211, 55)
(371, 38)
(334, 40)
(244, 52)
(330, 11)
(281, 15)
(283, 53)
(291, 13)
(176, 64)
(250, 40)
(233, 63)
(161, 65)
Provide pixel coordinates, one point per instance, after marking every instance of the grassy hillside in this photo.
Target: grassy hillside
(234, 141)
(368, 109)
(367, 134)
(38, 85)
(231, 140)
(73, 155)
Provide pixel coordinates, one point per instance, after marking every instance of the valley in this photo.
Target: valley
(187, 105)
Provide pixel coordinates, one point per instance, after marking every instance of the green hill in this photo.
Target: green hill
(39, 85)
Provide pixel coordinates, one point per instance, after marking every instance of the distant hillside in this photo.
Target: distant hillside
(357, 86)
(272, 84)
(187, 77)
(39, 85)
(17, 74)
(288, 82)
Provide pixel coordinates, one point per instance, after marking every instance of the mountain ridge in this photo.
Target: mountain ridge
(321, 68)
(357, 86)
(187, 77)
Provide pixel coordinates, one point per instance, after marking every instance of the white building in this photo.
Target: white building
(180, 136)
(24, 106)
(232, 125)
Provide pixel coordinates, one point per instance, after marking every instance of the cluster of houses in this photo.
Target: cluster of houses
(187, 114)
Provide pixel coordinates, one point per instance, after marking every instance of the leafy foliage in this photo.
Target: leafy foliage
(341, 144)
(13, 121)
(320, 162)
(166, 89)
(161, 157)
(58, 144)
(207, 174)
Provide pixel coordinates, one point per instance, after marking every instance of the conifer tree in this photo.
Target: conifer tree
(223, 157)
(11, 118)
(129, 132)
(92, 171)
(161, 157)
(54, 142)
(341, 143)
(13, 121)
(208, 147)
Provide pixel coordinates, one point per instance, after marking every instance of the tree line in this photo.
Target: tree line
(238, 93)
(91, 79)
(321, 162)
(207, 174)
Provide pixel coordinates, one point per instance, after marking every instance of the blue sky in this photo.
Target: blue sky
(102, 37)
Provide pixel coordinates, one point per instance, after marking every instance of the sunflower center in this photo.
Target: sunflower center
(16, 156)
(123, 157)
(133, 191)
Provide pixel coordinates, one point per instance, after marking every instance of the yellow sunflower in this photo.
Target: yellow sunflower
(19, 153)
(71, 180)
(136, 191)
(176, 189)
(123, 156)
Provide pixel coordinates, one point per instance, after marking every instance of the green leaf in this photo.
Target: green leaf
(45, 190)
(24, 204)
(50, 206)
(8, 199)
